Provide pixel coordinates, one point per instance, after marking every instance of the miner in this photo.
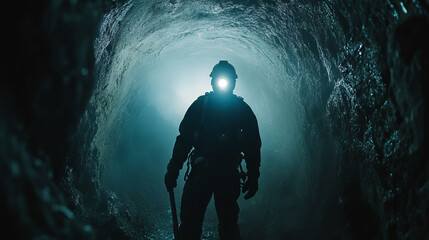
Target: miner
(218, 131)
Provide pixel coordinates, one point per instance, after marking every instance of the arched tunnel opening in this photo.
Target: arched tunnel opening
(338, 89)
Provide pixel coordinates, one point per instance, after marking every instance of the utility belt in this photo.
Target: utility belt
(199, 162)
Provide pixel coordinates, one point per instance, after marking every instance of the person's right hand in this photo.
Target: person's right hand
(170, 180)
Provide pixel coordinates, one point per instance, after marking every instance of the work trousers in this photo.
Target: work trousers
(197, 193)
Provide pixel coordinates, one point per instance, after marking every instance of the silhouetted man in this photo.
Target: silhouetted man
(219, 128)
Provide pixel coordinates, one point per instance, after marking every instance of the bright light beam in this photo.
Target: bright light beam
(222, 83)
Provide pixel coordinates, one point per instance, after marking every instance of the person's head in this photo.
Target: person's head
(223, 77)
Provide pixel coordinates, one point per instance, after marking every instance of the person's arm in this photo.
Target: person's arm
(252, 151)
(183, 144)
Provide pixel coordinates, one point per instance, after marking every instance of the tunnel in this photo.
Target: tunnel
(95, 92)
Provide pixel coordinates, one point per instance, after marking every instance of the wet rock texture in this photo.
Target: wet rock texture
(367, 79)
(48, 79)
(378, 114)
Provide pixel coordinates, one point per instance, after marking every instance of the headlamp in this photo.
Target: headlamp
(223, 77)
(222, 83)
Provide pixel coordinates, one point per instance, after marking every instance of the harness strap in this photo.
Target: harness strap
(204, 110)
(243, 174)
(188, 165)
(200, 126)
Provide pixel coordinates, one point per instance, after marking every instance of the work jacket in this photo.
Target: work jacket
(219, 129)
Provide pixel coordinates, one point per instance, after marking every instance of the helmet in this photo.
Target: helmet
(223, 68)
(223, 76)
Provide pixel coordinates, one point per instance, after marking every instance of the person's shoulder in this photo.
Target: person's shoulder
(241, 101)
(245, 108)
(200, 99)
(205, 96)
(238, 98)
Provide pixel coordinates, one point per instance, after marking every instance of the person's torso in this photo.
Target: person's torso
(218, 134)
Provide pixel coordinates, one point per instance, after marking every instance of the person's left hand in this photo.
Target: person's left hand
(251, 187)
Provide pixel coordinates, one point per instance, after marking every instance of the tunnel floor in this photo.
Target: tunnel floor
(162, 226)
